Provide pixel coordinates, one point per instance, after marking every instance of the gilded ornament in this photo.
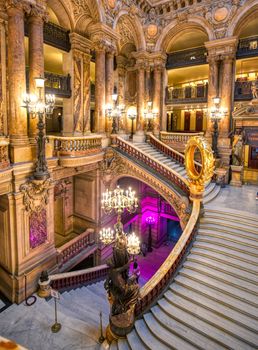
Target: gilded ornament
(112, 4)
(36, 194)
(152, 30)
(221, 14)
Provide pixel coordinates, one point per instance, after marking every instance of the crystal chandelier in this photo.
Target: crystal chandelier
(106, 235)
(149, 115)
(119, 200)
(133, 244)
(115, 112)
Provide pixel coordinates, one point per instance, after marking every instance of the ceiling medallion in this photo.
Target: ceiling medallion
(112, 4)
(152, 30)
(221, 14)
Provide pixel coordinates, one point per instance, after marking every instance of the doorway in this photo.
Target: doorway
(187, 121)
(199, 121)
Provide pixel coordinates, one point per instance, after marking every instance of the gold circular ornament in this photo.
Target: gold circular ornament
(199, 175)
(112, 4)
(152, 30)
(220, 14)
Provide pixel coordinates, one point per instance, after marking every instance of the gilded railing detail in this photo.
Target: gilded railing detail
(75, 246)
(177, 137)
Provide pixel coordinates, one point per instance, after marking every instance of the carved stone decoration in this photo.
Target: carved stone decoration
(78, 127)
(111, 165)
(38, 228)
(221, 14)
(36, 195)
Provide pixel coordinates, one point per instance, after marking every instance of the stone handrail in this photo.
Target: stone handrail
(172, 153)
(4, 153)
(162, 169)
(170, 137)
(152, 289)
(75, 246)
(75, 278)
(75, 146)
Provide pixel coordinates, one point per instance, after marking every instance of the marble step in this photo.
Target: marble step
(228, 218)
(215, 306)
(184, 332)
(238, 247)
(122, 344)
(209, 188)
(147, 337)
(220, 285)
(211, 195)
(228, 236)
(226, 251)
(217, 321)
(164, 335)
(225, 232)
(213, 293)
(228, 225)
(135, 342)
(224, 277)
(194, 322)
(226, 260)
(223, 267)
(251, 217)
(113, 346)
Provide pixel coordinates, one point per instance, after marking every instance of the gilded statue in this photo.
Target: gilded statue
(237, 150)
(254, 90)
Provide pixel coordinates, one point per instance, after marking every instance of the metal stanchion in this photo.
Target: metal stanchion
(101, 338)
(56, 326)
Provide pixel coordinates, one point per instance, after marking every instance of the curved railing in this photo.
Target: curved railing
(180, 137)
(72, 279)
(156, 285)
(172, 153)
(160, 168)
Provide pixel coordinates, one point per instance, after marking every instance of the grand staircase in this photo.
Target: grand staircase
(211, 191)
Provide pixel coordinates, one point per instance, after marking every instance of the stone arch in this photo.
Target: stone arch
(64, 12)
(174, 30)
(135, 26)
(243, 16)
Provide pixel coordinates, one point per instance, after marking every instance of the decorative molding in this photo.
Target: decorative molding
(36, 195)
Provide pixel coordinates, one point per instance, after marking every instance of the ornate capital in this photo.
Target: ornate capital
(80, 43)
(39, 12)
(20, 5)
(36, 194)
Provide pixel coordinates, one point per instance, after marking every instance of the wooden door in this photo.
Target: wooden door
(199, 121)
(187, 121)
(253, 157)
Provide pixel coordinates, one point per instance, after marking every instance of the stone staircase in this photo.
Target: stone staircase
(211, 191)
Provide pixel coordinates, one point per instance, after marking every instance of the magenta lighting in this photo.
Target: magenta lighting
(150, 220)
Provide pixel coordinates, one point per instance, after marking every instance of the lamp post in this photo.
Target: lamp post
(149, 115)
(39, 106)
(150, 220)
(131, 113)
(217, 113)
(115, 112)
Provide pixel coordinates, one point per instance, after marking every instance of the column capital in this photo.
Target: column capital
(220, 49)
(80, 43)
(38, 11)
(23, 6)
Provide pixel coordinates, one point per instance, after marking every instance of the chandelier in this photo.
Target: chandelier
(106, 235)
(133, 244)
(149, 115)
(119, 200)
(115, 112)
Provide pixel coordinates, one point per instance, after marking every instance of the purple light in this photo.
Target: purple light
(150, 220)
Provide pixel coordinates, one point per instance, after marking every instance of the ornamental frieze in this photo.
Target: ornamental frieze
(36, 195)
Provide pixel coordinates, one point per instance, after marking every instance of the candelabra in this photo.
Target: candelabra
(106, 235)
(115, 112)
(149, 115)
(131, 113)
(150, 220)
(217, 113)
(133, 244)
(38, 106)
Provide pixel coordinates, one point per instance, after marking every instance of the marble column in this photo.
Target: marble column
(16, 75)
(36, 60)
(148, 93)
(213, 87)
(157, 98)
(86, 93)
(226, 94)
(121, 72)
(3, 97)
(109, 76)
(163, 114)
(100, 90)
(140, 100)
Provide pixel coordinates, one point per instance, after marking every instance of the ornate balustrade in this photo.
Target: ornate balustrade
(177, 140)
(75, 246)
(172, 153)
(76, 146)
(187, 58)
(243, 90)
(4, 153)
(54, 35)
(72, 279)
(154, 164)
(247, 47)
(188, 94)
(156, 285)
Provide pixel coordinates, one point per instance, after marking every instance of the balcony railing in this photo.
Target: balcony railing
(247, 47)
(54, 35)
(188, 94)
(187, 58)
(57, 84)
(71, 249)
(243, 90)
(178, 140)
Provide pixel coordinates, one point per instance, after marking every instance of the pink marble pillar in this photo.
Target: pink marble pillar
(86, 93)
(226, 94)
(140, 100)
(213, 88)
(109, 76)
(100, 90)
(157, 98)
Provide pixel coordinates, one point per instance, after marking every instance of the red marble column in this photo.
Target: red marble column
(213, 88)
(140, 100)
(100, 90)
(157, 98)
(226, 94)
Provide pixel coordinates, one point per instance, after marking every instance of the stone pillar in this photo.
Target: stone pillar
(17, 81)
(86, 93)
(148, 93)
(121, 72)
(157, 98)
(36, 58)
(140, 101)
(213, 88)
(100, 89)
(3, 97)
(109, 76)
(163, 114)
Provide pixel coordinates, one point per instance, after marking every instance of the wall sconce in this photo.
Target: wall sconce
(149, 115)
(132, 113)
